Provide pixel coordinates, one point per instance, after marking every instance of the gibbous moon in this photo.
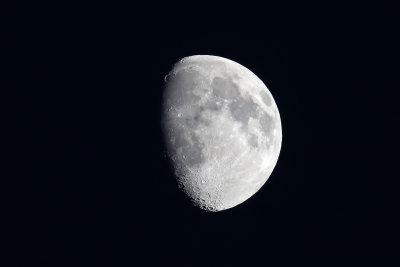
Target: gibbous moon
(222, 130)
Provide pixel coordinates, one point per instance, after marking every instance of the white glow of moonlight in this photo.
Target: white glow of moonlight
(222, 130)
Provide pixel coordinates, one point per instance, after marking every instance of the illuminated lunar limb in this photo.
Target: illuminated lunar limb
(222, 130)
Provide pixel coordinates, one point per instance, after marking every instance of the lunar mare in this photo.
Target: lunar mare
(222, 130)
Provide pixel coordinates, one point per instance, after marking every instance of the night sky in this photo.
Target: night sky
(87, 183)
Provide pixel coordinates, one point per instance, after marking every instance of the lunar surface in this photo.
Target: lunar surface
(222, 130)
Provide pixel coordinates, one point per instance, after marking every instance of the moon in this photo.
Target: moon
(222, 130)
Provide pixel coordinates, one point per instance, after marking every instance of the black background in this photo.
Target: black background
(86, 182)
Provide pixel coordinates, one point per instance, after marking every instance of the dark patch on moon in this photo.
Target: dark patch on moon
(211, 105)
(242, 109)
(235, 77)
(196, 118)
(265, 98)
(224, 88)
(252, 140)
(267, 123)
